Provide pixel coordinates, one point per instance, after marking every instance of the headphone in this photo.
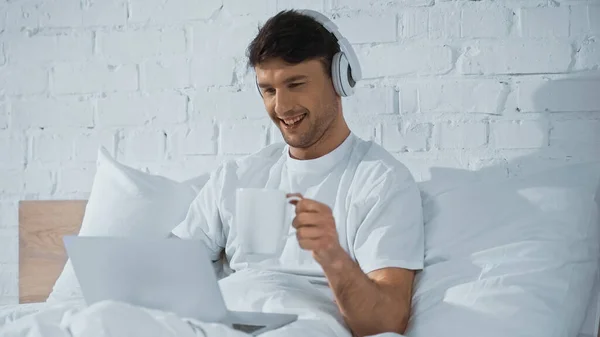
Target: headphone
(345, 68)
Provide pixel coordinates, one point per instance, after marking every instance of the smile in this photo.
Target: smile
(293, 120)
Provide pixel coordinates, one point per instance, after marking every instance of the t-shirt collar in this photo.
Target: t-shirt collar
(323, 163)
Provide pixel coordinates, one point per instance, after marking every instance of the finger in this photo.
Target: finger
(309, 233)
(298, 195)
(312, 206)
(309, 219)
(309, 244)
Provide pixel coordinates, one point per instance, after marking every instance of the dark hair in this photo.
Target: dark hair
(294, 38)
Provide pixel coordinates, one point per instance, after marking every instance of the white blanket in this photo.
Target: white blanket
(245, 291)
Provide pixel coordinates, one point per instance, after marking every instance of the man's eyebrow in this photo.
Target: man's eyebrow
(287, 80)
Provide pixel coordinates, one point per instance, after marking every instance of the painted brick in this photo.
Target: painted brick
(408, 97)
(242, 137)
(88, 142)
(367, 27)
(9, 213)
(12, 149)
(478, 96)
(364, 130)
(579, 23)
(50, 13)
(218, 57)
(104, 12)
(433, 166)
(9, 289)
(462, 135)
(523, 56)
(39, 181)
(124, 109)
(444, 22)
(2, 48)
(519, 134)
(275, 135)
(3, 13)
(415, 60)
(143, 145)
(167, 74)
(56, 48)
(23, 79)
(375, 4)
(559, 95)
(197, 139)
(9, 300)
(255, 8)
(407, 137)
(551, 22)
(593, 15)
(316, 5)
(166, 12)
(9, 245)
(52, 146)
(12, 182)
(4, 115)
(578, 132)
(49, 112)
(75, 78)
(75, 180)
(413, 23)
(484, 20)
(134, 46)
(588, 57)
(224, 105)
(370, 101)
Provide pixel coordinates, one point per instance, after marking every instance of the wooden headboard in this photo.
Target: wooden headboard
(42, 256)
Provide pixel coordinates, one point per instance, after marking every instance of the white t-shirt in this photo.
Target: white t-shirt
(375, 202)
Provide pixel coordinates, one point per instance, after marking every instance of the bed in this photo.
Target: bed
(471, 284)
(42, 257)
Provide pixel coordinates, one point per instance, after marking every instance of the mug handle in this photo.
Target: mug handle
(296, 198)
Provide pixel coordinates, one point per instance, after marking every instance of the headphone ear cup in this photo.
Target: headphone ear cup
(345, 76)
(340, 72)
(335, 74)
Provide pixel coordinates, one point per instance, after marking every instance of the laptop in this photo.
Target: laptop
(168, 274)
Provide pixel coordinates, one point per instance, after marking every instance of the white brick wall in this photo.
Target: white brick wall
(502, 86)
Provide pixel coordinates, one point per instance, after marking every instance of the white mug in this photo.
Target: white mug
(262, 220)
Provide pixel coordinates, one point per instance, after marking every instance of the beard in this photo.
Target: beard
(311, 129)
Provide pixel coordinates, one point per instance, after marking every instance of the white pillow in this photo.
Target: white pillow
(510, 257)
(127, 202)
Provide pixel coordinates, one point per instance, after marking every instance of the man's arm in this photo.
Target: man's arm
(371, 303)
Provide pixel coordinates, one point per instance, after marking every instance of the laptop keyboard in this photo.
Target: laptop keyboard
(247, 328)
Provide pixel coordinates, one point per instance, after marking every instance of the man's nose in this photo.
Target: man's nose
(283, 103)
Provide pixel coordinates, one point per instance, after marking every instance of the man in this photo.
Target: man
(359, 221)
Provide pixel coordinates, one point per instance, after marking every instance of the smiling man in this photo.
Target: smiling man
(359, 219)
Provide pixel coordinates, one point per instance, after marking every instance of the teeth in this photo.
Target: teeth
(293, 121)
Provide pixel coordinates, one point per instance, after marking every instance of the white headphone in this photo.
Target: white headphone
(345, 68)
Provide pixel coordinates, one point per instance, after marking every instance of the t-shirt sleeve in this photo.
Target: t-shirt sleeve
(203, 220)
(391, 233)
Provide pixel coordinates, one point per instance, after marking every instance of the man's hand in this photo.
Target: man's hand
(316, 231)
(370, 304)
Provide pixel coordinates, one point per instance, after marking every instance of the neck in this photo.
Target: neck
(331, 139)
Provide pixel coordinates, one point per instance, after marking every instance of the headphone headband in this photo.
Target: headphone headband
(345, 46)
(345, 68)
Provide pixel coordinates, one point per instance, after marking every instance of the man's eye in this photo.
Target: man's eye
(269, 91)
(293, 85)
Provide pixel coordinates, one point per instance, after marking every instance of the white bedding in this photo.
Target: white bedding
(246, 290)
